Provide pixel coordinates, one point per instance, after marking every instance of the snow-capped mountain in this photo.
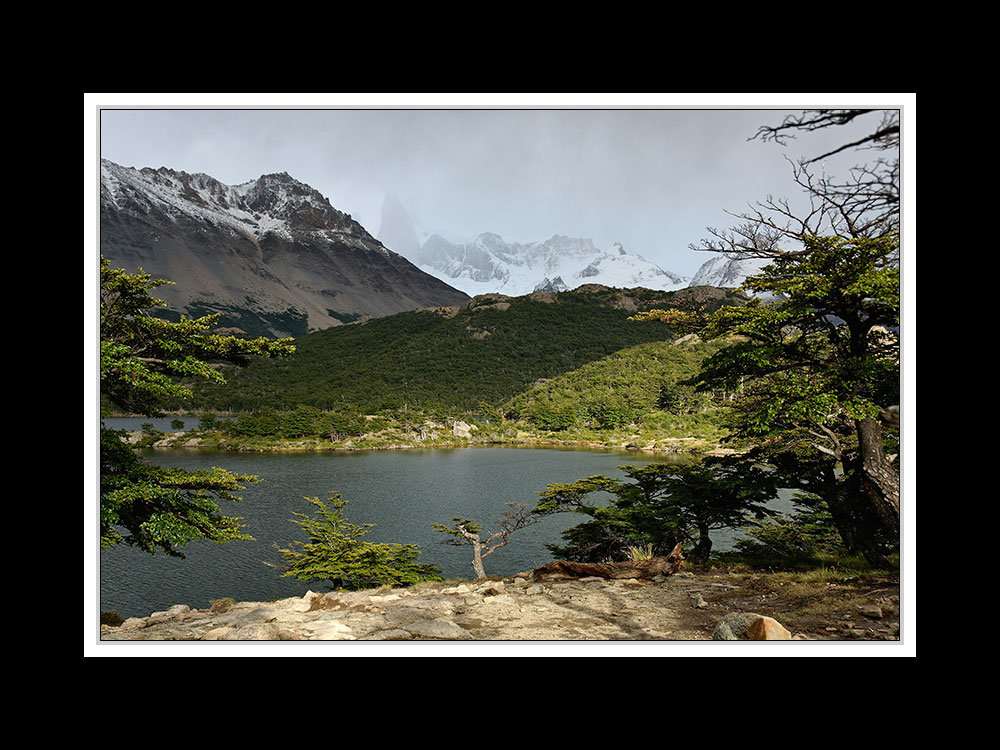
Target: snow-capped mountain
(722, 271)
(489, 263)
(272, 255)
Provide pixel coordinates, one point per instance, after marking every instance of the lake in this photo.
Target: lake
(402, 492)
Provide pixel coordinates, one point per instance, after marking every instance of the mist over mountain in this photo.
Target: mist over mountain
(489, 263)
(272, 255)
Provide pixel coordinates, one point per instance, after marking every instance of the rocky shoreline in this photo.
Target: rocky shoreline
(683, 607)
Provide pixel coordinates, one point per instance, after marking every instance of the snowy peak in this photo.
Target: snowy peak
(274, 203)
(555, 285)
(725, 272)
(491, 264)
(271, 256)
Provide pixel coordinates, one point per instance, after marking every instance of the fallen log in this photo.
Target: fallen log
(649, 568)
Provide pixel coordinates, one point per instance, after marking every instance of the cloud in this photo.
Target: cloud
(653, 179)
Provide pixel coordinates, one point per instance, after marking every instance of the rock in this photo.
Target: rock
(521, 609)
(217, 634)
(461, 429)
(768, 629)
(439, 630)
(263, 631)
(871, 610)
(326, 601)
(748, 626)
(389, 635)
(177, 610)
(493, 588)
(333, 630)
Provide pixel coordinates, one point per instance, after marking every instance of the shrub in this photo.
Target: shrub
(111, 618)
(336, 552)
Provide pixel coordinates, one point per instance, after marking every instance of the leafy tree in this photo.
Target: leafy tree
(336, 552)
(820, 363)
(158, 508)
(662, 505)
(208, 422)
(143, 363)
(815, 357)
(467, 532)
(802, 537)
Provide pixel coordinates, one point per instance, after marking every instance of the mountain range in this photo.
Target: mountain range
(271, 256)
(489, 263)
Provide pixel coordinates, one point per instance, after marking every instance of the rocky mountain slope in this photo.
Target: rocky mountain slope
(271, 255)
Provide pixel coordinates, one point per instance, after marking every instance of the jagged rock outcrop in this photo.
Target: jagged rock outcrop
(272, 256)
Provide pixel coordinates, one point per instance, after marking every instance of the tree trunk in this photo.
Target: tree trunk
(861, 528)
(879, 478)
(477, 560)
(704, 547)
(649, 568)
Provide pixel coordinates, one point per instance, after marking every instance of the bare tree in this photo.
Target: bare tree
(863, 203)
(467, 532)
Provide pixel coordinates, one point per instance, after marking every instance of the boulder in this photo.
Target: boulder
(748, 626)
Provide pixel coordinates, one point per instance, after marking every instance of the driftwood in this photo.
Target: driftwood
(650, 568)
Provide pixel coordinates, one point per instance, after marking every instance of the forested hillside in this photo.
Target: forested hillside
(628, 386)
(484, 353)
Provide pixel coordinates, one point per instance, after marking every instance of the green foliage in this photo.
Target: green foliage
(657, 507)
(821, 352)
(621, 389)
(158, 508)
(143, 361)
(144, 358)
(207, 421)
(423, 360)
(803, 538)
(336, 552)
(292, 322)
(111, 618)
(813, 368)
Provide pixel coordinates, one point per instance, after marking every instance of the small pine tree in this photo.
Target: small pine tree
(336, 552)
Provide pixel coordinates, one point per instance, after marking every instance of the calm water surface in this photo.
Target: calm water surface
(401, 492)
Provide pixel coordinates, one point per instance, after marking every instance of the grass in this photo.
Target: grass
(835, 598)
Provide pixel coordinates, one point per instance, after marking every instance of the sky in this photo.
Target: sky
(652, 173)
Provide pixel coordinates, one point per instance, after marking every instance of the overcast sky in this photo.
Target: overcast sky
(651, 178)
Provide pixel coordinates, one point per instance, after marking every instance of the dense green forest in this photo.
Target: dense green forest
(486, 353)
(628, 386)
